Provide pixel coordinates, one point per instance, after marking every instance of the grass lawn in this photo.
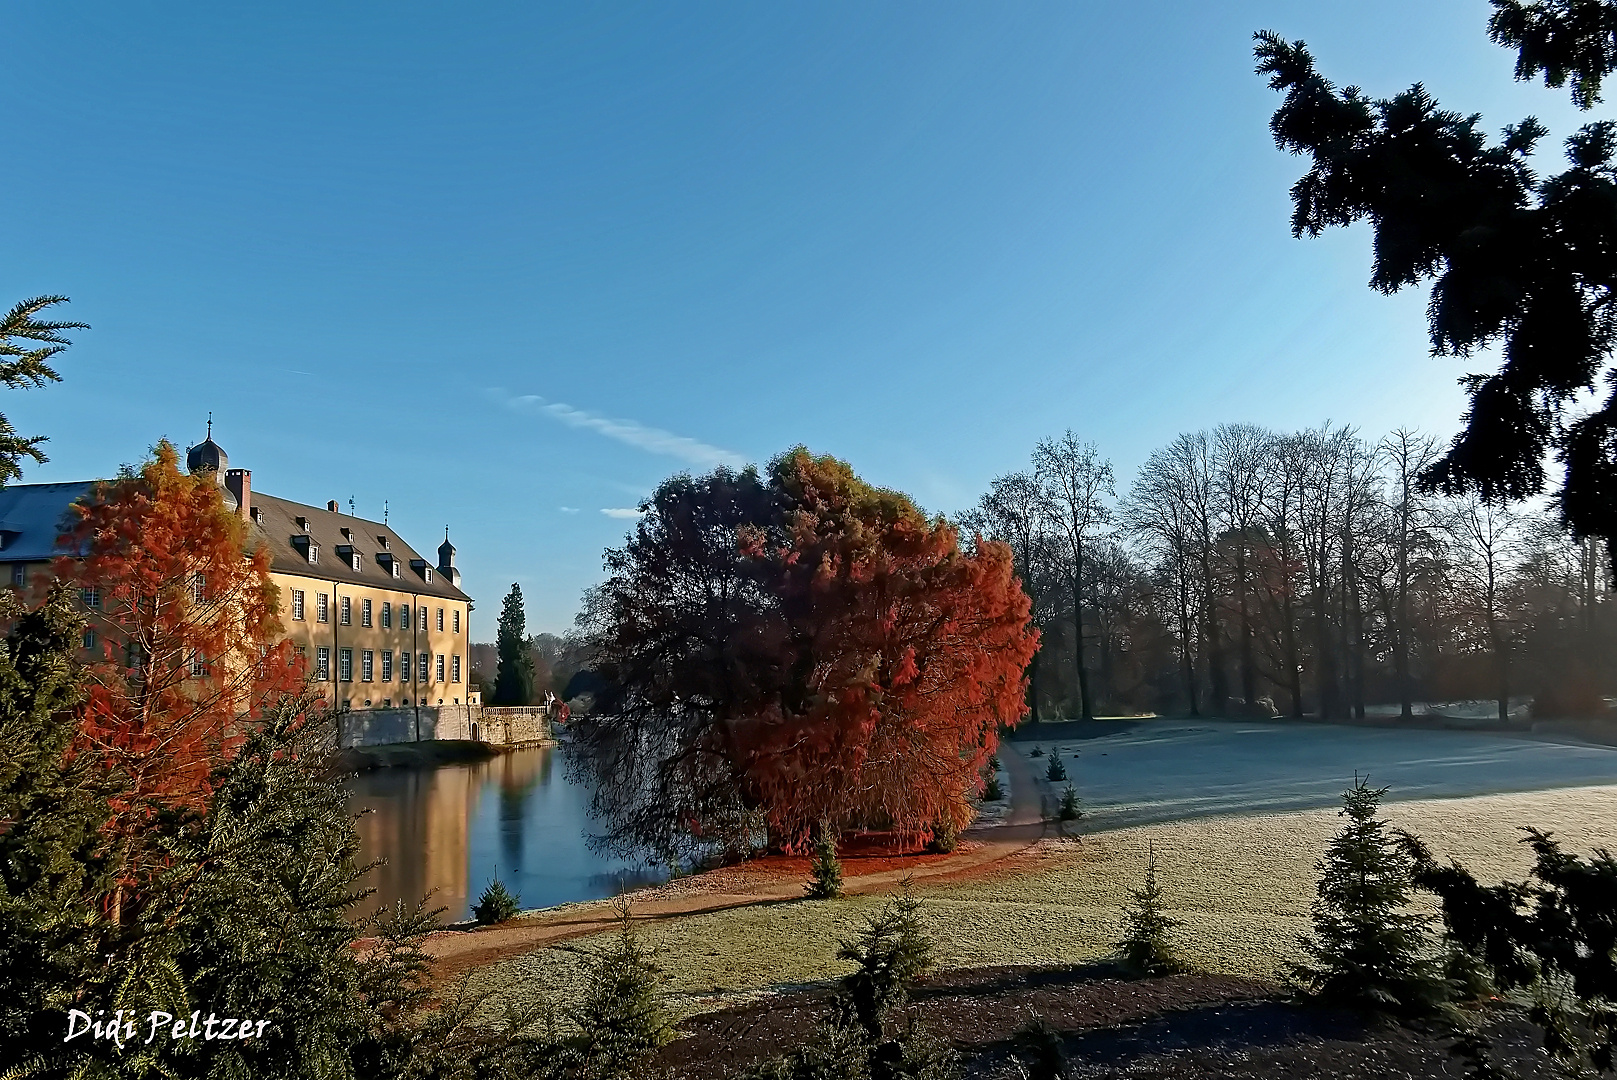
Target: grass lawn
(1241, 885)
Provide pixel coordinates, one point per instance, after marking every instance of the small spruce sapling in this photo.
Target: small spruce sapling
(1145, 948)
(993, 790)
(825, 869)
(1055, 771)
(1368, 951)
(497, 904)
(622, 1019)
(1070, 808)
(1035, 752)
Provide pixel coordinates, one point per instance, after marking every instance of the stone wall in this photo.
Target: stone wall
(518, 725)
(378, 727)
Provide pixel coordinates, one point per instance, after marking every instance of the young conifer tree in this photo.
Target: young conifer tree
(825, 869)
(1145, 946)
(1368, 951)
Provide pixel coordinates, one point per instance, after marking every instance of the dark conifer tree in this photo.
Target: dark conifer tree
(1518, 260)
(513, 679)
(1368, 951)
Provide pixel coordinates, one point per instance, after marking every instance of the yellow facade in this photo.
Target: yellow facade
(356, 639)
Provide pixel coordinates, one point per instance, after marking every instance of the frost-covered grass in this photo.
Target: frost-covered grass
(1241, 885)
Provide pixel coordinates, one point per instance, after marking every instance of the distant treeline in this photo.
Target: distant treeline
(1310, 569)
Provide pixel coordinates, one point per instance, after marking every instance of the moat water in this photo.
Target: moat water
(448, 831)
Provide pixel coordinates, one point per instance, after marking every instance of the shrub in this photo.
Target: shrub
(1368, 952)
(1070, 809)
(945, 838)
(1039, 1051)
(1055, 771)
(993, 764)
(621, 1020)
(1145, 949)
(993, 791)
(497, 904)
(1553, 936)
(825, 869)
(1035, 752)
(854, 1043)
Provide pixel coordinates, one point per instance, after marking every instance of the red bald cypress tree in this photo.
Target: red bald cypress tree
(187, 637)
(792, 650)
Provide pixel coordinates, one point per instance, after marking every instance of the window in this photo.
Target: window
(356, 560)
(367, 665)
(89, 639)
(19, 574)
(365, 612)
(387, 615)
(314, 554)
(426, 666)
(199, 665)
(322, 608)
(346, 612)
(91, 598)
(422, 618)
(199, 587)
(457, 620)
(322, 663)
(345, 665)
(440, 620)
(426, 574)
(297, 604)
(404, 616)
(454, 668)
(404, 667)
(440, 667)
(387, 665)
(393, 565)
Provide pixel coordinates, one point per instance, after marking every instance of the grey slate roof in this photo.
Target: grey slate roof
(278, 525)
(31, 518)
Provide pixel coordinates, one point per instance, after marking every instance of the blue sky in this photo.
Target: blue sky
(508, 266)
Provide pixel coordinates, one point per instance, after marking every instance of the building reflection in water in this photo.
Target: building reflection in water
(448, 831)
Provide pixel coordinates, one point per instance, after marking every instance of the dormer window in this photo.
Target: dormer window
(348, 534)
(307, 548)
(420, 566)
(314, 554)
(383, 541)
(349, 555)
(356, 560)
(387, 562)
(303, 523)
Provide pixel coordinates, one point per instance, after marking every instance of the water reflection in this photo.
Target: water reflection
(449, 830)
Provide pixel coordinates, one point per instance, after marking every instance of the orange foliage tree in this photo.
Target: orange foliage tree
(187, 631)
(797, 651)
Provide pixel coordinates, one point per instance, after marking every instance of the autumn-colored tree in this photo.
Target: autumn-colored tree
(907, 654)
(187, 630)
(797, 650)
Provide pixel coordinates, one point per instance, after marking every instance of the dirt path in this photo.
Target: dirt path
(770, 880)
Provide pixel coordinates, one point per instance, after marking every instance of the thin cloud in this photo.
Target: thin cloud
(568, 509)
(630, 432)
(620, 512)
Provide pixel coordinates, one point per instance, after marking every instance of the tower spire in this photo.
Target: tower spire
(210, 423)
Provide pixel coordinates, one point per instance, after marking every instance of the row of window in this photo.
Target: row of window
(356, 561)
(345, 612)
(430, 667)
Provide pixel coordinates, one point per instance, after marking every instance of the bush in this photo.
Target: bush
(1039, 1051)
(945, 838)
(621, 1021)
(1035, 752)
(497, 904)
(1070, 809)
(993, 791)
(1055, 771)
(825, 869)
(854, 1044)
(1552, 936)
(1368, 952)
(1145, 949)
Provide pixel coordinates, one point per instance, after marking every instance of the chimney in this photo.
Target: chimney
(332, 505)
(239, 482)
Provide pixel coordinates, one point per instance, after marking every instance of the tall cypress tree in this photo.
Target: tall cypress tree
(513, 680)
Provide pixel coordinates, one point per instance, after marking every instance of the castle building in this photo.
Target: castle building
(380, 626)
